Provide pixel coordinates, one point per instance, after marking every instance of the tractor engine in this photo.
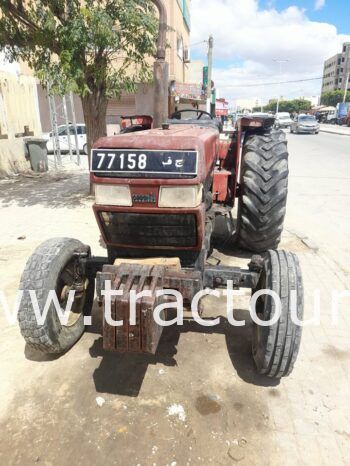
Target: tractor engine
(152, 191)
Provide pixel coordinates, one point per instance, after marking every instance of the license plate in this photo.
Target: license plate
(118, 162)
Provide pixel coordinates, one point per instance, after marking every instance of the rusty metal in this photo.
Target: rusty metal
(218, 276)
(161, 69)
(163, 25)
(220, 185)
(188, 282)
(145, 335)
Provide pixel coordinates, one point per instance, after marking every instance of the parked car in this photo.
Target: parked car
(305, 124)
(63, 138)
(283, 120)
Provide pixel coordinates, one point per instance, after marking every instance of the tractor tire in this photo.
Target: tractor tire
(52, 266)
(275, 348)
(264, 181)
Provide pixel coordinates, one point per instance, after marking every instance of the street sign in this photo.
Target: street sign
(205, 76)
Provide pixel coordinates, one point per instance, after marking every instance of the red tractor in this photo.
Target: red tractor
(158, 193)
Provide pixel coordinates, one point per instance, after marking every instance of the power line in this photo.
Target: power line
(271, 83)
(199, 43)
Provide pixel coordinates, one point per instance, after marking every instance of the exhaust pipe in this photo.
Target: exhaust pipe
(161, 70)
(163, 19)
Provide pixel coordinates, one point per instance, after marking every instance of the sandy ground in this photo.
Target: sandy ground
(198, 401)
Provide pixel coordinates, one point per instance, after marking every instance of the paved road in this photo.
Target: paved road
(319, 194)
(199, 401)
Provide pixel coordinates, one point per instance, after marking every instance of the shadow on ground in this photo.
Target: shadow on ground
(52, 189)
(123, 373)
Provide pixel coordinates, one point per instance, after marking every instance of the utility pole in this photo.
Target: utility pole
(74, 121)
(280, 62)
(66, 122)
(346, 86)
(210, 71)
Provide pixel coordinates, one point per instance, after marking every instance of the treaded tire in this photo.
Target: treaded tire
(275, 348)
(41, 274)
(264, 181)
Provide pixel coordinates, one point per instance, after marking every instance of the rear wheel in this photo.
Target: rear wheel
(264, 178)
(275, 348)
(85, 149)
(54, 266)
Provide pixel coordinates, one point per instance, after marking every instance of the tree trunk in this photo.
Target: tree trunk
(95, 110)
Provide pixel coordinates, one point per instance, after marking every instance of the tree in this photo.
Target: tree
(290, 106)
(332, 98)
(97, 49)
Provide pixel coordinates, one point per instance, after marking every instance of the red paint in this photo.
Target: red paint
(220, 185)
(178, 137)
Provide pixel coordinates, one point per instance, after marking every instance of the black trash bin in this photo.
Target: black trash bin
(37, 154)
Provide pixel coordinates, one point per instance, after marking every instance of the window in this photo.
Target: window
(62, 131)
(81, 130)
(180, 47)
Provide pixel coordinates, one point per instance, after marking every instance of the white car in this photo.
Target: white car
(282, 120)
(63, 138)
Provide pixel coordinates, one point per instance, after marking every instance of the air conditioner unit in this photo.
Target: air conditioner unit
(187, 58)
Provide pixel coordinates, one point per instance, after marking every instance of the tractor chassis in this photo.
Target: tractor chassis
(143, 335)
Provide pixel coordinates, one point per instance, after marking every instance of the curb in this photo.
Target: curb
(334, 132)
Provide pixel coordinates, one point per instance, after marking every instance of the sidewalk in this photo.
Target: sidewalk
(335, 129)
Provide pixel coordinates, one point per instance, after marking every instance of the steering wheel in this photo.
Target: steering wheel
(177, 115)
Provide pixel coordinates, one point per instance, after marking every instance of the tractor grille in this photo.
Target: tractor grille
(176, 230)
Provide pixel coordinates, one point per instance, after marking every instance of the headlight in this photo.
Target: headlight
(112, 195)
(180, 196)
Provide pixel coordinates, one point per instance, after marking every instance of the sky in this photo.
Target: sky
(250, 35)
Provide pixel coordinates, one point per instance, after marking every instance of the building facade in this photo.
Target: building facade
(336, 70)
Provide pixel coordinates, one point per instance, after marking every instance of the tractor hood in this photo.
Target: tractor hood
(158, 145)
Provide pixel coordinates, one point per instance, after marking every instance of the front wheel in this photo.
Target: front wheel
(275, 347)
(54, 266)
